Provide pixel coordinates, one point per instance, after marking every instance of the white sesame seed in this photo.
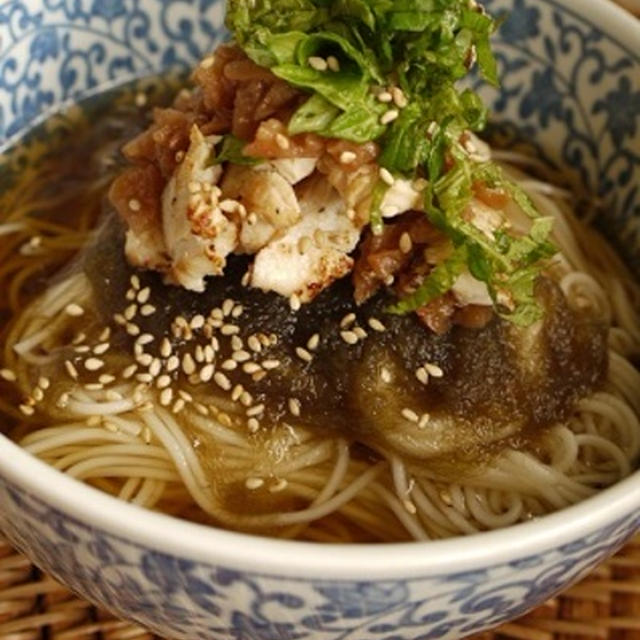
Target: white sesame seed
(422, 375)
(147, 310)
(110, 426)
(8, 375)
(83, 348)
(199, 354)
(166, 397)
(173, 363)
(209, 354)
(389, 116)
(207, 62)
(27, 410)
(405, 245)
(101, 348)
(38, 394)
(294, 407)
(206, 373)
(333, 63)
(146, 378)
(246, 278)
(294, 302)
(132, 329)
(349, 337)
(105, 335)
(347, 157)
(304, 244)
(238, 310)
(254, 483)
(251, 367)
(130, 312)
(71, 369)
(44, 383)
(155, 368)
(246, 399)
(119, 319)
(348, 320)
(237, 392)
(165, 348)
(424, 420)
(280, 485)
(63, 400)
(351, 214)
(389, 280)
(230, 330)
(313, 342)
(188, 364)
(386, 177)
(74, 310)
(197, 322)
(134, 204)
(410, 415)
(241, 356)
(254, 344)
(255, 410)
(144, 295)
(229, 365)
(144, 359)
(185, 395)
(81, 337)
(360, 333)
(253, 425)
(318, 63)
(376, 325)
(236, 343)
(399, 98)
(106, 378)
(178, 406)
(270, 364)
(303, 354)
(385, 96)
(410, 507)
(434, 370)
(135, 282)
(163, 381)
(227, 307)
(94, 386)
(222, 381)
(129, 371)
(282, 141)
(201, 409)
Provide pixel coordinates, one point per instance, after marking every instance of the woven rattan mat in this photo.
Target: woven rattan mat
(606, 605)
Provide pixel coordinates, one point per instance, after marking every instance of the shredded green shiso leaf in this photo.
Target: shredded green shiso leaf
(424, 47)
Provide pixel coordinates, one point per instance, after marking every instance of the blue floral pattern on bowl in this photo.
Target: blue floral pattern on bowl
(568, 89)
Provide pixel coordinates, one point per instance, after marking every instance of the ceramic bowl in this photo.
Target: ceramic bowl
(571, 78)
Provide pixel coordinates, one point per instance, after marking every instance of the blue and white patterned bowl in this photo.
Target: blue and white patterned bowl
(572, 89)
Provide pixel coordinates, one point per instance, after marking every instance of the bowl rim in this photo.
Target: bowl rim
(306, 561)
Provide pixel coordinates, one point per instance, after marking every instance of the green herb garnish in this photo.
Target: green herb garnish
(345, 53)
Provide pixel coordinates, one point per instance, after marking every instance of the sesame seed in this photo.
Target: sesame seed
(224, 419)
(313, 342)
(8, 375)
(105, 335)
(146, 432)
(110, 426)
(130, 312)
(253, 425)
(201, 409)
(83, 348)
(230, 330)
(106, 378)
(386, 177)
(173, 363)
(135, 282)
(166, 397)
(119, 319)
(208, 62)
(207, 372)
(44, 383)
(282, 141)
(405, 245)
(71, 369)
(303, 354)
(113, 396)
(94, 386)
(236, 343)
(27, 410)
(238, 310)
(199, 354)
(304, 244)
(389, 116)
(216, 314)
(38, 394)
(385, 96)
(294, 407)
(389, 280)
(270, 364)
(259, 375)
(146, 378)
(376, 325)
(209, 354)
(251, 367)
(129, 371)
(410, 507)
(165, 348)
(254, 344)
(144, 359)
(185, 395)
(163, 381)
(237, 392)
(94, 421)
(347, 157)
(294, 302)
(197, 322)
(229, 365)
(74, 310)
(155, 367)
(188, 364)
(144, 295)
(280, 485)
(227, 307)
(147, 310)
(101, 348)
(360, 332)
(246, 278)
(333, 63)
(63, 400)
(254, 483)
(241, 356)
(348, 320)
(134, 204)
(410, 415)
(255, 410)
(434, 370)
(133, 329)
(349, 337)
(178, 406)
(246, 399)
(399, 98)
(222, 381)
(422, 375)
(420, 184)
(318, 63)
(424, 420)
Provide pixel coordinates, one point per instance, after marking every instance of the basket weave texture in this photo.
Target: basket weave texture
(606, 606)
